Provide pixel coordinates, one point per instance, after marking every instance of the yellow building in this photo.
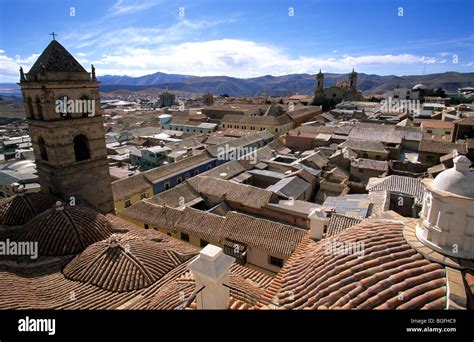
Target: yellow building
(277, 125)
(130, 191)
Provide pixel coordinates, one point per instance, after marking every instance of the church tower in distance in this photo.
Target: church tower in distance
(353, 81)
(62, 106)
(319, 84)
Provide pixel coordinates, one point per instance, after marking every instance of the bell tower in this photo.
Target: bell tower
(319, 83)
(62, 105)
(353, 80)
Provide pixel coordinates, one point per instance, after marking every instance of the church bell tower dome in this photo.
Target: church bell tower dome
(447, 217)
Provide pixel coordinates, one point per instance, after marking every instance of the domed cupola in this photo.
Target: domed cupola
(21, 208)
(447, 217)
(66, 230)
(123, 264)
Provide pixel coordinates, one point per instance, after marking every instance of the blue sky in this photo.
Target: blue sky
(242, 38)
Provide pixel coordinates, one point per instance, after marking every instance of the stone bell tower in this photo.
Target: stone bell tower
(353, 81)
(62, 105)
(319, 84)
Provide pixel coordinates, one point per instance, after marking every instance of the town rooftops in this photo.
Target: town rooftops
(304, 112)
(129, 186)
(290, 187)
(244, 194)
(386, 133)
(355, 205)
(165, 171)
(426, 124)
(398, 184)
(338, 223)
(269, 236)
(441, 147)
(364, 145)
(264, 120)
(376, 165)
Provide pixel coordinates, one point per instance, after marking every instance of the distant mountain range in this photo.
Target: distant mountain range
(269, 85)
(280, 85)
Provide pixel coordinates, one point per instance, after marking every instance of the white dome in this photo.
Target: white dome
(420, 86)
(458, 180)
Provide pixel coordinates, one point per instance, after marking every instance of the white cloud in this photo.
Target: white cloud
(9, 67)
(131, 6)
(238, 58)
(139, 36)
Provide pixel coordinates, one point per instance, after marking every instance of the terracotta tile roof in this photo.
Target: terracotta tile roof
(437, 124)
(239, 193)
(338, 223)
(132, 185)
(174, 197)
(469, 279)
(400, 184)
(364, 145)
(269, 236)
(19, 209)
(266, 120)
(164, 171)
(122, 266)
(67, 231)
(202, 224)
(304, 112)
(246, 288)
(465, 121)
(441, 147)
(230, 169)
(378, 165)
(388, 274)
(248, 140)
(159, 216)
(42, 285)
(386, 133)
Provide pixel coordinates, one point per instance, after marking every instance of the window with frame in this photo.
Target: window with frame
(185, 237)
(127, 203)
(143, 195)
(275, 261)
(179, 180)
(203, 243)
(167, 186)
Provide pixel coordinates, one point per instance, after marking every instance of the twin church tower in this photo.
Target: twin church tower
(62, 106)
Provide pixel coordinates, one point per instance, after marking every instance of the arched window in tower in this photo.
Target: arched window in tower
(81, 148)
(29, 105)
(42, 149)
(39, 109)
(62, 107)
(85, 107)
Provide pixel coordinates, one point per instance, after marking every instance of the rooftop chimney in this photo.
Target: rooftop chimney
(211, 272)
